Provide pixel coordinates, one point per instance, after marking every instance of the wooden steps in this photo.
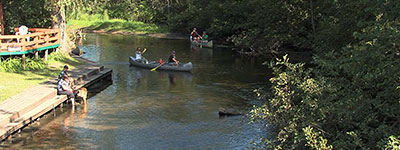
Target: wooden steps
(24, 108)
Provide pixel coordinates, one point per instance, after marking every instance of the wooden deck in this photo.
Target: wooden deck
(24, 108)
(38, 39)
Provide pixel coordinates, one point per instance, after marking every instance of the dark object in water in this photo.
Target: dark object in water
(77, 51)
(229, 112)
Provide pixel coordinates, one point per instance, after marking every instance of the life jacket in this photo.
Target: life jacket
(194, 34)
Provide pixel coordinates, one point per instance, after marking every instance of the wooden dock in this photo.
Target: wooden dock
(22, 109)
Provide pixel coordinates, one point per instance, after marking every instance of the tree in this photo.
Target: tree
(61, 23)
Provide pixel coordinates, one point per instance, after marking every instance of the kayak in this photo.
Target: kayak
(202, 43)
(166, 66)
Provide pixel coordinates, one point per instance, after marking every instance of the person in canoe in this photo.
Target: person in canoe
(172, 59)
(194, 35)
(139, 56)
(204, 37)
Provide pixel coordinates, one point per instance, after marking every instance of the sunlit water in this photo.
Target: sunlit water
(156, 110)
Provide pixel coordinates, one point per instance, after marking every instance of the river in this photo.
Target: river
(156, 110)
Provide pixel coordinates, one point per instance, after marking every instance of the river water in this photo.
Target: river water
(156, 110)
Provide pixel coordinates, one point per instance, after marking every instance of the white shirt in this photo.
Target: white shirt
(62, 83)
(138, 56)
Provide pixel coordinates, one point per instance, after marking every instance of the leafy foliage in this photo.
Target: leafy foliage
(59, 56)
(393, 143)
(350, 100)
(16, 65)
(26, 12)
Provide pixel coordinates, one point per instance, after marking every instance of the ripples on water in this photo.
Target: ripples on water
(156, 110)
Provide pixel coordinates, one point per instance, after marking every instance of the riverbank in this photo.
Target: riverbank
(24, 108)
(118, 26)
(13, 83)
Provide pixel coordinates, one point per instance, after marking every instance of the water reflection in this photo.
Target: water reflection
(161, 109)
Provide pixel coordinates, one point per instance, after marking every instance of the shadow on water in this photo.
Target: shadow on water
(143, 109)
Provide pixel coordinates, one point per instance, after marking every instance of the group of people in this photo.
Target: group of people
(65, 85)
(194, 36)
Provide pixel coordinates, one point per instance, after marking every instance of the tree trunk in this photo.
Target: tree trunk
(1, 17)
(312, 16)
(61, 23)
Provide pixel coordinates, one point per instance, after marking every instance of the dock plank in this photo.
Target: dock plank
(21, 109)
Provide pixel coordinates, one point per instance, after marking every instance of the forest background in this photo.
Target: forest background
(348, 99)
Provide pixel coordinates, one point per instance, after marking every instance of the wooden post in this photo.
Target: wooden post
(47, 39)
(23, 61)
(36, 54)
(23, 42)
(46, 52)
(36, 39)
(54, 111)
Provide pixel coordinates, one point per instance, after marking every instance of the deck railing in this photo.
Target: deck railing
(37, 38)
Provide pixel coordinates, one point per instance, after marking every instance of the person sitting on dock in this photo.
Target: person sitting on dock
(64, 88)
(65, 72)
(172, 58)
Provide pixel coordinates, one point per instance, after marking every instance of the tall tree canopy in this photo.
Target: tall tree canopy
(349, 100)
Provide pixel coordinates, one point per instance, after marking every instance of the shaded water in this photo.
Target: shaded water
(156, 110)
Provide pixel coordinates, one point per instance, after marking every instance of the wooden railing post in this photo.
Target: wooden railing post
(23, 61)
(47, 38)
(46, 52)
(36, 54)
(36, 40)
(23, 42)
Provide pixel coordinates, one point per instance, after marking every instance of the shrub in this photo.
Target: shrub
(12, 65)
(15, 64)
(59, 56)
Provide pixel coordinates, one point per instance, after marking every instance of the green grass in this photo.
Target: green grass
(116, 25)
(13, 83)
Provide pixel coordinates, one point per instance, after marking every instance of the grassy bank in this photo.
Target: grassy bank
(115, 25)
(12, 83)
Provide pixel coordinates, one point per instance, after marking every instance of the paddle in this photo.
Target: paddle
(155, 68)
(144, 50)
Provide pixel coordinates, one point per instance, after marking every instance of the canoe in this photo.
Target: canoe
(202, 43)
(152, 64)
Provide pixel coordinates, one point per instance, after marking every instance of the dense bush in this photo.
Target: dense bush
(15, 64)
(59, 56)
(26, 12)
(349, 101)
